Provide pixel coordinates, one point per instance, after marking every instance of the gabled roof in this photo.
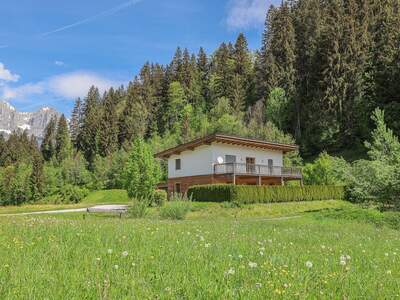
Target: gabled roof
(226, 139)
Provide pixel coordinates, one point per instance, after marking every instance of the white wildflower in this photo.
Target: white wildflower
(252, 264)
(125, 253)
(231, 271)
(116, 267)
(109, 251)
(207, 245)
(309, 264)
(389, 272)
(240, 256)
(258, 285)
(343, 262)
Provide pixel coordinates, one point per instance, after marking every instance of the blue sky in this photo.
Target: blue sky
(51, 51)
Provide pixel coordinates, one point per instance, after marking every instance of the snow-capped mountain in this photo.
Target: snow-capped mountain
(33, 122)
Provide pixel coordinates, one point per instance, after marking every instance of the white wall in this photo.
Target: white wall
(193, 163)
(241, 152)
(201, 160)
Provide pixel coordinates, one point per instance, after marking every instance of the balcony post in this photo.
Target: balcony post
(282, 181)
(259, 180)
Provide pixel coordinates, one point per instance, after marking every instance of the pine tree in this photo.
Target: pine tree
(63, 147)
(76, 121)
(48, 145)
(88, 139)
(134, 118)
(37, 177)
(108, 140)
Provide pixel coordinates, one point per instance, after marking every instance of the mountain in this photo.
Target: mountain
(33, 122)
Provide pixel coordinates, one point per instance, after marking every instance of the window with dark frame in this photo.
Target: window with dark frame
(177, 164)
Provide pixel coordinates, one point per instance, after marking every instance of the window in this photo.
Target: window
(229, 159)
(177, 188)
(177, 164)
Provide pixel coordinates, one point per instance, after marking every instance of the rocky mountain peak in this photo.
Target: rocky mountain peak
(33, 122)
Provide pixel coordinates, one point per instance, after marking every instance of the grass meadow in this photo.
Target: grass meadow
(238, 254)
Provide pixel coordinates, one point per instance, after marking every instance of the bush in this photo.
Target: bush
(139, 208)
(72, 194)
(245, 194)
(159, 197)
(175, 210)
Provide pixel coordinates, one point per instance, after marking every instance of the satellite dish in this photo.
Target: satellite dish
(220, 160)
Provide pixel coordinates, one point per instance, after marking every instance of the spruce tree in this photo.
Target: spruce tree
(108, 140)
(76, 121)
(48, 145)
(63, 147)
(37, 182)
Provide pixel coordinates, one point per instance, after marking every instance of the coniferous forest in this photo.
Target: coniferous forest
(322, 69)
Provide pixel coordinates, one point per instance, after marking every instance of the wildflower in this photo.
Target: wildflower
(386, 254)
(109, 251)
(240, 256)
(252, 264)
(389, 272)
(309, 264)
(323, 247)
(116, 267)
(285, 285)
(261, 253)
(231, 271)
(258, 285)
(342, 262)
(207, 245)
(125, 253)
(98, 258)
(167, 289)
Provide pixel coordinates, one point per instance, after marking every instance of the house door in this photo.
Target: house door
(250, 165)
(230, 165)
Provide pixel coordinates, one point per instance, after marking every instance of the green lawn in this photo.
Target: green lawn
(94, 198)
(213, 255)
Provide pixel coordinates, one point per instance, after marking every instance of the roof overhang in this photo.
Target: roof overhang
(226, 139)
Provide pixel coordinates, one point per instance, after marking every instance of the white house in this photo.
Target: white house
(227, 159)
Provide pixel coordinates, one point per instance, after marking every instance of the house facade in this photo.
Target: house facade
(227, 159)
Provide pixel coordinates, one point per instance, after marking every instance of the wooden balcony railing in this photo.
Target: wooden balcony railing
(256, 170)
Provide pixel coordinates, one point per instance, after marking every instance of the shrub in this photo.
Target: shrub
(175, 210)
(245, 194)
(72, 194)
(179, 197)
(139, 208)
(159, 197)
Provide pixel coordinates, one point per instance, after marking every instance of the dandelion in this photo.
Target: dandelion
(240, 256)
(167, 289)
(258, 285)
(231, 271)
(98, 258)
(116, 267)
(323, 246)
(252, 264)
(285, 285)
(261, 253)
(125, 253)
(309, 264)
(389, 272)
(207, 245)
(109, 251)
(386, 254)
(343, 262)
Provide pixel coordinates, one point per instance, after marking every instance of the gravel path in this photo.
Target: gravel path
(98, 208)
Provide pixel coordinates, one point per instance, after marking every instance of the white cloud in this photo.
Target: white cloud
(247, 13)
(6, 74)
(59, 63)
(77, 84)
(66, 86)
(22, 91)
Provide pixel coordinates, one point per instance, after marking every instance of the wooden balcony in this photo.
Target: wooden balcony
(241, 169)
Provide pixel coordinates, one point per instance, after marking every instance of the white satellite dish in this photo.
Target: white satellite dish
(220, 160)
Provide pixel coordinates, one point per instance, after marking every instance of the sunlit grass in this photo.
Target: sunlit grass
(68, 257)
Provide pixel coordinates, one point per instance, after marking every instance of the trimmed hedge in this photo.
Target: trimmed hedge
(246, 194)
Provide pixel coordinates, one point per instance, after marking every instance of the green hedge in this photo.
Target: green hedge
(246, 194)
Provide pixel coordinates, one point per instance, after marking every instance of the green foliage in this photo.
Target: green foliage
(15, 187)
(242, 194)
(63, 147)
(175, 210)
(142, 172)
(159, 198)
(373, 216)
(327, 170)
(139, 208)
(277, 107)
(72, 194)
